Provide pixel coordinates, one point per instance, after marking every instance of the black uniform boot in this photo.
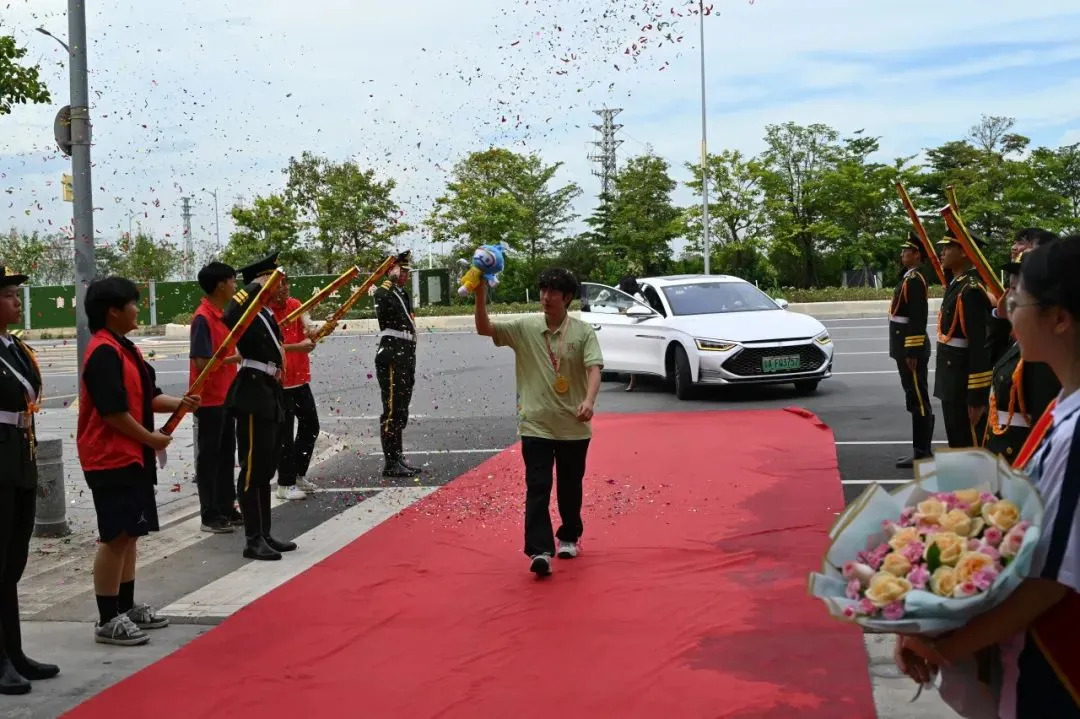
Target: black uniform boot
(395, 468)
(28, 668)
(264, 505)
(11, 682)
(256, 547)
(922, 433)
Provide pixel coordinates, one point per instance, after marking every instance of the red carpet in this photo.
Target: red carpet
(689, 599)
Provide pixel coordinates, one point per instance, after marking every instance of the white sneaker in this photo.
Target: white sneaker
(306, 484)
(567, 550)
(540, 565)
(292, 492)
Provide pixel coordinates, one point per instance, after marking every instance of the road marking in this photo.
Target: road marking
(368, 417)
(875, 481)
(868, 443)
(76, 374)
(446, 451)
(875, 327)
(878, 371)
(361, 490)
(227, 595)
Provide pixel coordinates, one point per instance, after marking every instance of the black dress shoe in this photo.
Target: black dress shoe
(11, 682)
(34, 671)
(406, 465)
(905, 463)
(258, 549)
(397, 469)
(279, 546)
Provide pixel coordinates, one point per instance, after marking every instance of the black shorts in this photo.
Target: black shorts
(125, 509)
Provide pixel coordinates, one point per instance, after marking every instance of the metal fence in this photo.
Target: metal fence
(161, 302)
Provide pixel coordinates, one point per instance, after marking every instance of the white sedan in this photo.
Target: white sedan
(706, 329)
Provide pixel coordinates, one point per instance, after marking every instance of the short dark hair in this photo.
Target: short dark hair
(1050, 272)
(103, 295)
(1036, 236)
(214, 274)
(629, 284)
(558, 279)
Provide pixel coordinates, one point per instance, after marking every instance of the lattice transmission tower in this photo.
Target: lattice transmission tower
(604, 156)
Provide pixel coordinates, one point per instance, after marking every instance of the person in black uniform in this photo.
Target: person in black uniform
(20, 389)
(964, 370)
(395, 364)
(910, 347)
(256, 399)
(1021, 390)
(999, 332)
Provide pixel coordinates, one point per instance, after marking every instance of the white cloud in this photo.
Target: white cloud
(219, 93)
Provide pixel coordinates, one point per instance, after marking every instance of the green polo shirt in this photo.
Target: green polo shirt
(543, 412)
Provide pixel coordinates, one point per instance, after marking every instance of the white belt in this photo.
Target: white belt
(399, 334)
(1017, 419)
(898, 319)
(958, 342)
(15, 419)
(268, 367)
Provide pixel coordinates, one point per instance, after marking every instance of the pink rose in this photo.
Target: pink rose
(966, 589)
(858, 571)
(914, 552)
(987, 498)
(889, 526)
(865, 607)
(992, 536)
(907, 516)
(962, 506)
(854, 589)
(974, 544)
(1023, 526)
(989, 551)
(849, 612)
(1010, 544)
(919, 576)
(893, 611)
(984, 579)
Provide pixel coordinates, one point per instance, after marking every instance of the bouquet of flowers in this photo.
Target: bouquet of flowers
(926, 557)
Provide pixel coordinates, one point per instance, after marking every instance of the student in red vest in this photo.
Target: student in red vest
(118, 397)
(215, 435)
(300, 409)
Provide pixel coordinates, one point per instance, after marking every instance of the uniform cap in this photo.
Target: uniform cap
(8, 277)
(257, 269)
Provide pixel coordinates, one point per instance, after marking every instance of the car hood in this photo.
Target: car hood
(757, 326)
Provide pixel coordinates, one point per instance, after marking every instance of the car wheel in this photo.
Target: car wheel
(684, 381)
(609, 376)
(807, 386)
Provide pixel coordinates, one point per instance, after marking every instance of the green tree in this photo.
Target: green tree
(18, 84)
(350, 213)
(498, 195)
(1057, 172)
(269, 224)
(142, 258)
(45, 259)
(737, 221)
(793, 165)
(645, 222)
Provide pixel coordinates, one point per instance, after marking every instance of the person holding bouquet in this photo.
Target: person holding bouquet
(1035, 628)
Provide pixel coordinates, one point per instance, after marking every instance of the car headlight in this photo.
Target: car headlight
(715, 345)
(823, 338)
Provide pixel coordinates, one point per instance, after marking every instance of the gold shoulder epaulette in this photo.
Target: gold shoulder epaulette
(387, 284)
(241, 296)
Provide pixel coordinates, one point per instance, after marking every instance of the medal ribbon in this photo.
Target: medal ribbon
(556, 358)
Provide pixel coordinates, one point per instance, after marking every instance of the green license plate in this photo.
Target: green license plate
(787, 363)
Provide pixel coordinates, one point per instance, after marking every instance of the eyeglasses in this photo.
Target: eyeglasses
(1011, 304)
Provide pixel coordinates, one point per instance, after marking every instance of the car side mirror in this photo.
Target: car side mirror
(639, 311)
(781, 302)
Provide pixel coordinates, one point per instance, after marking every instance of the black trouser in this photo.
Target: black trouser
(258, 443)
(917, 402)
(296, 451)
(17, 508)
(395, 366)
(215, 457)
(958, 428)
(568, 458)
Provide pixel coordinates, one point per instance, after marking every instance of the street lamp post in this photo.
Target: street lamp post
(704, 148)
(82, 187)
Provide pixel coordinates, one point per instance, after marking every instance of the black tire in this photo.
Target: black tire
(684, 381)
(609, 376)
(807, 386)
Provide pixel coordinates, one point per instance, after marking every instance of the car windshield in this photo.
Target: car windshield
(706, 298)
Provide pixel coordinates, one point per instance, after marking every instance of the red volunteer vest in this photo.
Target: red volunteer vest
(217, 384)
(100, 446)
(297, 364)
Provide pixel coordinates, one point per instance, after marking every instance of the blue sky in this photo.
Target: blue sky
(218, 94)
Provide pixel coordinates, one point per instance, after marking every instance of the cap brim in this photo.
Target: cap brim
(1011, 268)
(9, 280)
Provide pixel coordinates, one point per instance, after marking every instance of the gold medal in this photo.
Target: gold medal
(562, 385)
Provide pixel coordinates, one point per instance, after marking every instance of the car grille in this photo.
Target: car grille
(747, 363)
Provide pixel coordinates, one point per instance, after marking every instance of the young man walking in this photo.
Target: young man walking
(557, 368)
(300, 429)
(215, 435)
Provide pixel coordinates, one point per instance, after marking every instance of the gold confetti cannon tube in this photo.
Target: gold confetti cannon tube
(227, 347)
(952, 219)
(924, 239)
(322, 294)
(331, 324)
